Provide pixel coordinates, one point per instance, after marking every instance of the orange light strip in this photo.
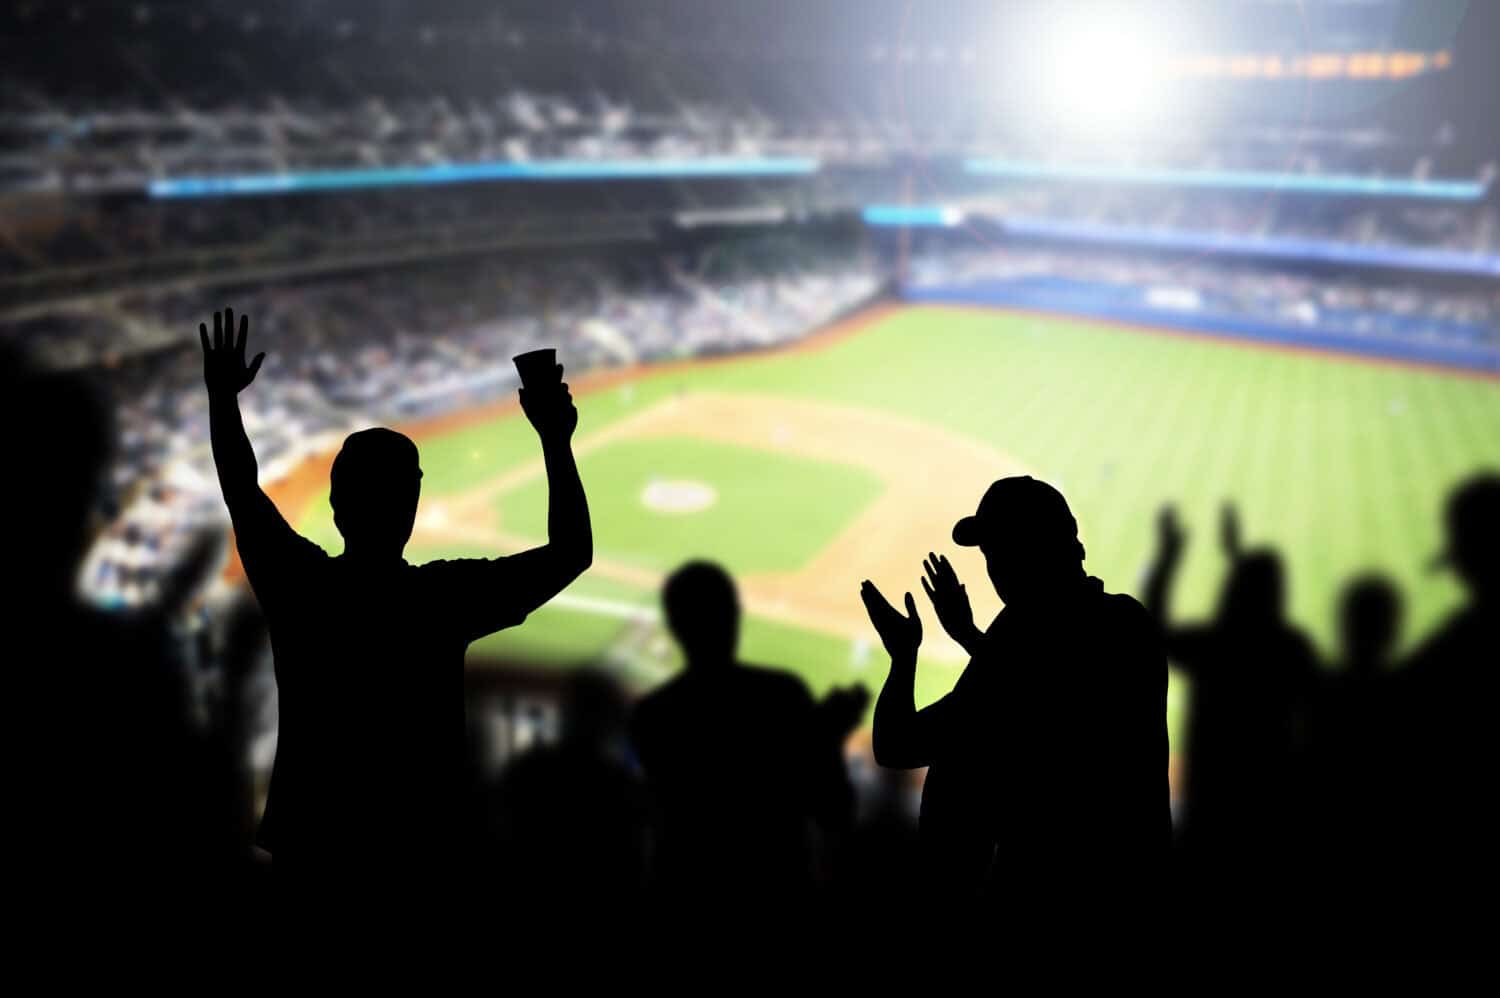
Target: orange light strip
(1311, 65)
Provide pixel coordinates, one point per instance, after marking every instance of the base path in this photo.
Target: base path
(931, 478)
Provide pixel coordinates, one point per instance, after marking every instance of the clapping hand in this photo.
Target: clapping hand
(950, 601)
(900, 633)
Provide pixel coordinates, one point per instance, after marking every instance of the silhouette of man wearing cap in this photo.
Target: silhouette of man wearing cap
(367, 793)
(1047, 778)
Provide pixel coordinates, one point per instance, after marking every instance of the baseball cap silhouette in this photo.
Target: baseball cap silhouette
(1019, 503)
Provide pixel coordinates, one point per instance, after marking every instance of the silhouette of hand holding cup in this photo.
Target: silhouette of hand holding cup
(538, 368)
(544, 395)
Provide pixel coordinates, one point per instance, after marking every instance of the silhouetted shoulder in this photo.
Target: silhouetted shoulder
(1132, 635)
(1458, 639)
(776, 684)
(1128, 612)
(277, 559)
(479, 595)
(1299, 657)
(644, 713)
(1125, 619)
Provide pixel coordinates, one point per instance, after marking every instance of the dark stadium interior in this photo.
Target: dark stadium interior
(701, 205)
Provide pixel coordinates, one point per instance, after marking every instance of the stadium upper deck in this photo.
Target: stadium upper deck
(166, 90)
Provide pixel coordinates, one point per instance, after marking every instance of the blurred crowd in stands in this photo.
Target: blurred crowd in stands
(1362, 306)
(1269, 215)
(416, 87)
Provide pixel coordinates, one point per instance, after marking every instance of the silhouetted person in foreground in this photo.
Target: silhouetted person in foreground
(1252, 678)
(745, 771)
(1453, 679)
(368, 797)
(1359, 724)
(116, 797)
(570, 819)
(1047, 779)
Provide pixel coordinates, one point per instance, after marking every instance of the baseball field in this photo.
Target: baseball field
(850, 456)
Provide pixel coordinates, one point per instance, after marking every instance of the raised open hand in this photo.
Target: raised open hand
(1229, 531)
(1170, 535)
(550, 409)
(950, 600)
(224, 369)
(900, 633)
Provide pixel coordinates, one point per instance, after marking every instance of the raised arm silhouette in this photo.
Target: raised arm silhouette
(368, 795)
(1047, 763)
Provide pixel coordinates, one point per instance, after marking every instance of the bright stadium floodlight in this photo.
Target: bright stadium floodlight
(1105, 70)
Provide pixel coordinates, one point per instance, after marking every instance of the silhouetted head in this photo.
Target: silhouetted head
(1254, 595)
(703, 613)
(1472, 545)
(58, 471)
(376, 480)
(594, 710)
(1369, 622)
(1028, 537)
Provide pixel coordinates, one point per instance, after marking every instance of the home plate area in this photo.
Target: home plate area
(675, 496)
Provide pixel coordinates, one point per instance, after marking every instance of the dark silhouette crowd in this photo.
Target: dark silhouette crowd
(727, 788)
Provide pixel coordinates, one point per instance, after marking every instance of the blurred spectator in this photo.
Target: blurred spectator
(744, 769)
(1252, 676)
(568, 822)
(1451, 682)
(124, 794)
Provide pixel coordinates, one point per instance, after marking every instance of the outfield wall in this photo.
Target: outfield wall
(1406, 340)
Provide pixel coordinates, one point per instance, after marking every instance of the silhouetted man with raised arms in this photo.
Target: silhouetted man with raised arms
(368, 794)
(1253, 675)
(1047, 779)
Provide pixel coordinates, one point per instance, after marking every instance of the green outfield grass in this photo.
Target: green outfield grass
(1341, 464)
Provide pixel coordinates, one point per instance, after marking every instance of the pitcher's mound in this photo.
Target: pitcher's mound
(677, 496)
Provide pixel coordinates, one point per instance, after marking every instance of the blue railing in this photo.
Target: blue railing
(462, 173)
(911, 215)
